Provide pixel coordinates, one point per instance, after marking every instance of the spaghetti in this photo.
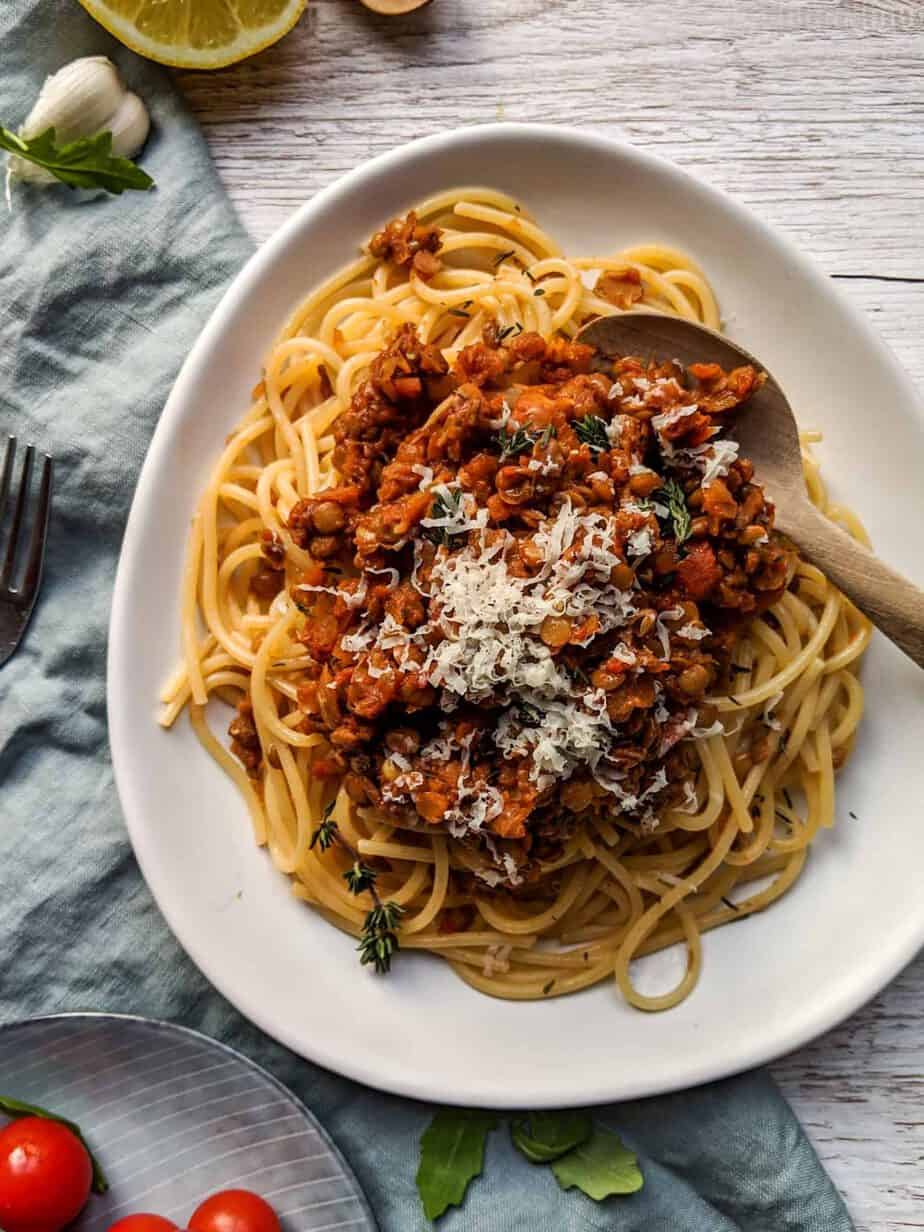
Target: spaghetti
(676, 789)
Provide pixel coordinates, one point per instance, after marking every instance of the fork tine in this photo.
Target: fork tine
(7, 475)
(37, 541)
(21, 496)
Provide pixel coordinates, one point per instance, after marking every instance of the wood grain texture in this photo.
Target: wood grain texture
(811, 112)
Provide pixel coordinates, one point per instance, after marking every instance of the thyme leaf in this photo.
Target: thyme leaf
(359, 878)
(327, 832)
(379, 940)
(677, 506)
(512, 443)
(591, 430)
(446, 504)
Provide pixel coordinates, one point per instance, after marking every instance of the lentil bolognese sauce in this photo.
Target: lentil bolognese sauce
(523, 675)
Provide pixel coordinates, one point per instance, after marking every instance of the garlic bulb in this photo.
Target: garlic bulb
(82, 99)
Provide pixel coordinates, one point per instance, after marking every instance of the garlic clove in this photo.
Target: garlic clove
(78, 100)
(129, 125)
(82, 99)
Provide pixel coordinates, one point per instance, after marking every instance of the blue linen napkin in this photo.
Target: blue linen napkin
(101, 299)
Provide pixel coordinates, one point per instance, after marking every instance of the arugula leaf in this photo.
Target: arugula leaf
(451, 1155)
(599, 1167)
(677, 506)
(591, 430)
(85, 163)
(15, 1108)
(545, 1136)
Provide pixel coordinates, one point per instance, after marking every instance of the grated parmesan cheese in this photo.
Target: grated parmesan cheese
(352, 599)
(622, 652)
(490, 620)
(614, 429)
(394, 577)
(639, 542)
(667, 419)
(690, 802)
(693, 633)
(425, 473)
(672, 613)
(714, 458)
(568, 735)
(513, 872)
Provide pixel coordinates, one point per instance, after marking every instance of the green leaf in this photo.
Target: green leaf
(359, 878)
(327, 832)
(591, 430)
(379, 940)
(451, 1155)
(85, 163)
(16, 1108)
(601, 1166)
(677, 505)
(446, 504)
(545, 1136)
(512, 443)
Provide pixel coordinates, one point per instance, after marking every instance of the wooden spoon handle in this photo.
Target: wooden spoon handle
(893, 604)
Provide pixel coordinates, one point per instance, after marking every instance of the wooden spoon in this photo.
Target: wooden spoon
(766, 429)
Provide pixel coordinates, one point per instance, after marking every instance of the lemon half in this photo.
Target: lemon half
(196, 33)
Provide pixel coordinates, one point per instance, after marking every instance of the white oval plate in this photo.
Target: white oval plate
(770, 983)
(173, 1116)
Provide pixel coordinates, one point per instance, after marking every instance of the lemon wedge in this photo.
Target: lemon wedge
(196, 33)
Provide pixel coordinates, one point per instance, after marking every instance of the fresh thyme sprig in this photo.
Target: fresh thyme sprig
(379, 941)
(677, 506)
(512, 443)
(446, 504)
(327, 832)
(591, 430)
(359, 878)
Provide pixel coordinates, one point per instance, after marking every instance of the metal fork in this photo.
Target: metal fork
(16, 603)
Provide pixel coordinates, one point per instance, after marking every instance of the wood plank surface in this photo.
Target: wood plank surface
(809, 111)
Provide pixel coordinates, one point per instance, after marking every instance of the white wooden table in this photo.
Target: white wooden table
(812, 112)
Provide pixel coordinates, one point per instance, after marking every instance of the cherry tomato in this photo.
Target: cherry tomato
(45, 1176)
(234, 1210)
(143, 1223)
